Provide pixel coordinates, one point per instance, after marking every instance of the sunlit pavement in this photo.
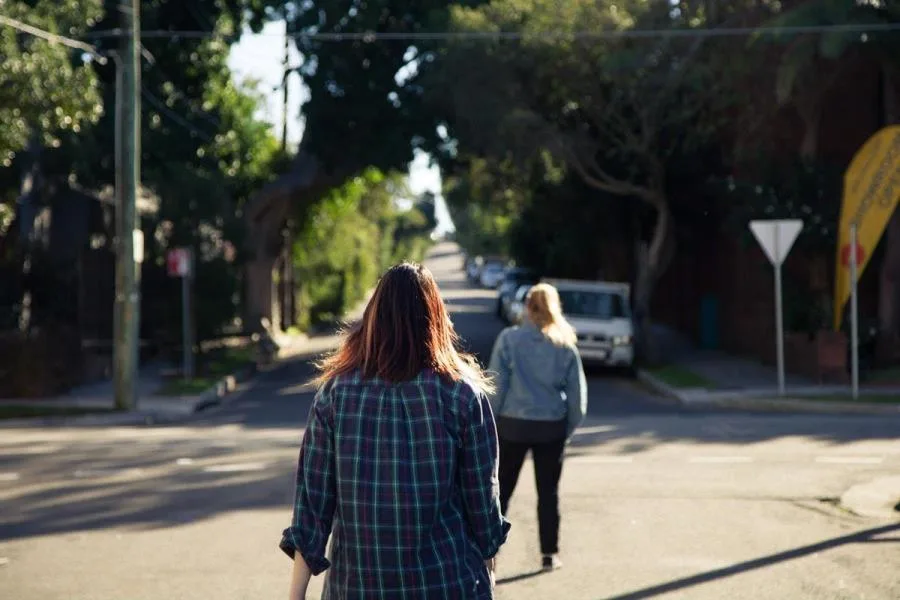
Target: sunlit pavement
(656, 503)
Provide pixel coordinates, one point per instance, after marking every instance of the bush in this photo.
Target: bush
(352, 235)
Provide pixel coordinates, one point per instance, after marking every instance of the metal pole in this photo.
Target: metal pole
(127, 321)
(188, 351)
(779, 321)
(284, 83)
(854, 317)
(120, 229)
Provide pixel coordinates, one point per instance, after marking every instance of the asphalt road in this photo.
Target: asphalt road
(656, 502)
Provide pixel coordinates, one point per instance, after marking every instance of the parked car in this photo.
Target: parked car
(601, 315)
(473, 268)
(492, 274)
(515, 309)
(512, 280)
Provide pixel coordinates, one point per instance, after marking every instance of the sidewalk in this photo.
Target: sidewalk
(151, 407)
(703, 379)
(97, 401)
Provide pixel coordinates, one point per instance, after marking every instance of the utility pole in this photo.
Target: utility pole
(284, 83)
(128, 294)
(286, 283)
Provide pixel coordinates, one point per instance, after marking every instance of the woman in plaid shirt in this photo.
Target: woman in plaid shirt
(399, 459)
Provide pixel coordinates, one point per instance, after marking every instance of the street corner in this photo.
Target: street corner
(878, 498)
(661, 388)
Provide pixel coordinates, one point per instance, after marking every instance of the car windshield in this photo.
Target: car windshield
(594, 304)
(518, 275)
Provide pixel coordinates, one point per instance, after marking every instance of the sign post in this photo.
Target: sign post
(179, 263)
(776, 238)
(854, 314)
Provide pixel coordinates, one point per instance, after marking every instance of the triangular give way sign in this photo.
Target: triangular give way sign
(776, 237)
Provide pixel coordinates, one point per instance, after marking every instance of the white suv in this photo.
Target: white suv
(600, 313)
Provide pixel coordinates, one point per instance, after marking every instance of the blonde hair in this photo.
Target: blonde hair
(545, 312)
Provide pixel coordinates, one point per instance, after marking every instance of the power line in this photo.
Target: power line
(180, 120)
(53, 38)
(373, 36)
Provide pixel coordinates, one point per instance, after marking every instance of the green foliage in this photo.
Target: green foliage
(348, 239)
(485, 197)
(607, 106)
(786, 191)
(366, 101)
(45, 88)
(204, 153)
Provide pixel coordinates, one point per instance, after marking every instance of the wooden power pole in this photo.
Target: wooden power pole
(128, 275)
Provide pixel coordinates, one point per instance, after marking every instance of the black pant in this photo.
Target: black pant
(548, 459)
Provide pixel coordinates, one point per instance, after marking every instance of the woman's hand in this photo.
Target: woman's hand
(491, 565)
(299, 578)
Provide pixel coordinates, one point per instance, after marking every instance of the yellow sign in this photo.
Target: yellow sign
(871, 192)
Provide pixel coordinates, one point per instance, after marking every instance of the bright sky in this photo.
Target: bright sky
(260, 57)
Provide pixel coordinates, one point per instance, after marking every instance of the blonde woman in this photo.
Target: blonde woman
(540, 398)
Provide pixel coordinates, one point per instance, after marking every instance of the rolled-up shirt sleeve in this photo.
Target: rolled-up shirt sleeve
(479, 477)
(315, 497)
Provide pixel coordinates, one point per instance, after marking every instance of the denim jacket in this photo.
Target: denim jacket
(536, 379)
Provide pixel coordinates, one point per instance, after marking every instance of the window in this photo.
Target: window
(585, 303)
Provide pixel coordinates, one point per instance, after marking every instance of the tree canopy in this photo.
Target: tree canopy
(45, 88)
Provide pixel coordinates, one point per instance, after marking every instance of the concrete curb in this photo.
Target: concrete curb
(157, 410)
(699, 399)
(793, 405)
(216, 394)
(659, 385)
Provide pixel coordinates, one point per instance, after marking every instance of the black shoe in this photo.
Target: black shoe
(550, 562)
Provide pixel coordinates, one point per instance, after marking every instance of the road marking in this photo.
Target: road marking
(850, 460)
(43, 449)
(596, 429)
(224, 444)
(184, 461)
(9, 476)
(4, 561)
(721, 459)
(604, 460)
(236, 467)
(87, 473)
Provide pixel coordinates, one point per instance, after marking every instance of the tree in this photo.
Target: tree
(45, 88)
(204, 152)
(485, 197)
(802, 83)
(365, 107)
(615, 111)
(333, 252)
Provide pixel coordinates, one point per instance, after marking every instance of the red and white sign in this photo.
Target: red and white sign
(178, 262)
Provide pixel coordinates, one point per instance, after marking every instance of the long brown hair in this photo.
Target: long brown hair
(404, 330)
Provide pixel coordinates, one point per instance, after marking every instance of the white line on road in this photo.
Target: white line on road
(596, 429)
(86, 473)
(850, 460)
(9, 476)
(721, 459)
(184, 461)
(236, 467)
(42, 449)
(604, 460)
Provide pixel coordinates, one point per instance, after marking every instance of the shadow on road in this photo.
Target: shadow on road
(264, 426)
(866, 536)
(520, 577)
